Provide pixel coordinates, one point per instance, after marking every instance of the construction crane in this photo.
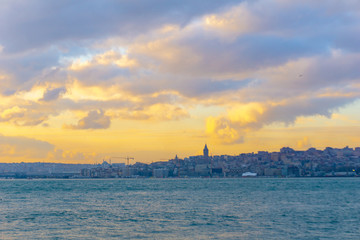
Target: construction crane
(127, 159)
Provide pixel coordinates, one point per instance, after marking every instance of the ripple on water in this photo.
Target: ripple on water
(180, 209)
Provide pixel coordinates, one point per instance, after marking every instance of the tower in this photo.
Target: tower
(206, 152)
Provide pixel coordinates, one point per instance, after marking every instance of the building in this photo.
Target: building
(206, 152)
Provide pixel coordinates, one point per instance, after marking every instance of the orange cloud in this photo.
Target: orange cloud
(107, 58)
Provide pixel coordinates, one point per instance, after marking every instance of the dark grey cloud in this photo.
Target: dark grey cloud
(327, 74)
(30, 68)
(186, 86)
(95, 119)
(53, 94)
(8, 92)
(43, 23)
(208, 87)
(287, 113)
(248, 52)
(102, 75)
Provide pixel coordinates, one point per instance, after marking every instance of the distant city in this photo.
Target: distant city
(330, 162)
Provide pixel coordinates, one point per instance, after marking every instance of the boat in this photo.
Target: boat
(249, 174)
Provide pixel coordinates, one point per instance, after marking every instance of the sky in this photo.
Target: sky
(87, 80)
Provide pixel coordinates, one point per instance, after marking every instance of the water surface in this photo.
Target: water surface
(260, 208)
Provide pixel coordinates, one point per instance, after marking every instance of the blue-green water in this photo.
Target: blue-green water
(181, 209)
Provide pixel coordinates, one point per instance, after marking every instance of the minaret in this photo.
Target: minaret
(206, 152)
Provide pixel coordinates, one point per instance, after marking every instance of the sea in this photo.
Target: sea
(241, 208)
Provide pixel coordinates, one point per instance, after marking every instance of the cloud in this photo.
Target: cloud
(22, 116)
(25, 70)
(244, 118)
(95, 119)
(107, 58)
(263, 62)
(45, 23)
(222, 130)
(5, 83)
(53, 94)
(13, 112)
(283, 34)
(24, 147)
(186, 86)
(155, 112)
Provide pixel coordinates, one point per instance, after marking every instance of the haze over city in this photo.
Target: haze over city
(82, 81)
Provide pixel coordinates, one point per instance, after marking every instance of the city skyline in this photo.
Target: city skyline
(81, 82)
(287, 162)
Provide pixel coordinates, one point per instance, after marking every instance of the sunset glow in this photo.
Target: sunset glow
(82, 82)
